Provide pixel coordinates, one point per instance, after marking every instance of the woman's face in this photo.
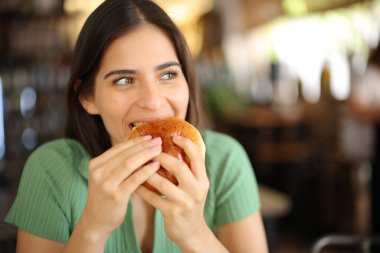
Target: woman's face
(139, 80)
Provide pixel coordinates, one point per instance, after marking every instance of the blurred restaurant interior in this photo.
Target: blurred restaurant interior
(281, 76)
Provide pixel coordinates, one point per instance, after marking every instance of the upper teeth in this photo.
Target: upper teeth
(134, 125)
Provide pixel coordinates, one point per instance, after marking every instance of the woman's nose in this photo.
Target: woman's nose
(151, 97)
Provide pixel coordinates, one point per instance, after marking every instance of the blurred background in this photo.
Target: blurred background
(297, 82)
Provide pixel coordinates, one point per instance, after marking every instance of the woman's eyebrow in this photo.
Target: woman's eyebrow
(133, 72)
(120, 72)
(167, 65)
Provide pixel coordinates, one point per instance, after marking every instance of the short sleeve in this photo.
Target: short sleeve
(36, 208)
(235, 187)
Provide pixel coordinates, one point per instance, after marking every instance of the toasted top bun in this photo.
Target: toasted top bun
(166, 129)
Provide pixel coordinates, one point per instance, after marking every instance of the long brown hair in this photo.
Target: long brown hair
(112, 19)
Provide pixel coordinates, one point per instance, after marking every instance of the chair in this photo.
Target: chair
(348, 243)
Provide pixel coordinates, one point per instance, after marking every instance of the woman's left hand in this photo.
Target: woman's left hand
(183, 205)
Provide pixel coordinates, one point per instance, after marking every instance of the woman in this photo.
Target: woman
(85, 194)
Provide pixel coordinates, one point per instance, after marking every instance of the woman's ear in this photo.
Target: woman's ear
(87, 100)
(88, 104)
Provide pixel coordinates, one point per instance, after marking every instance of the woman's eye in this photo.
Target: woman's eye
(170, 75)
(123, 81)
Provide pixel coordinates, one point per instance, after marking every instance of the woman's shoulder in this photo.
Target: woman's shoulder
(63, 147)
(57, 153)
(219, 142)
(223, 151)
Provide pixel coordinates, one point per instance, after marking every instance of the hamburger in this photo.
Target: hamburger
(166, 129)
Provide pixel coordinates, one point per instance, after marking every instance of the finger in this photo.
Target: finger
(139, 177)
(166, 187)
(118, 159)
(178, 168)
(194, 154)
(118, 148)
(136, 149)
(134, 162)
(156, 200)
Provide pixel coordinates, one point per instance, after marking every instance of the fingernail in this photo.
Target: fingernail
(156, 140)
(177, 138)
(146, 137)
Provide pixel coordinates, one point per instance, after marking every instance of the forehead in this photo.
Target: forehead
(146, 44)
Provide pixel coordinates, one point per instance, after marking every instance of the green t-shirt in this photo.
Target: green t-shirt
(53, 191)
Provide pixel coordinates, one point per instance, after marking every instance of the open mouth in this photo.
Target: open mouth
(135, 125)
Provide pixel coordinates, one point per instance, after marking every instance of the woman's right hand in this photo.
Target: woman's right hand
(113, 177)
